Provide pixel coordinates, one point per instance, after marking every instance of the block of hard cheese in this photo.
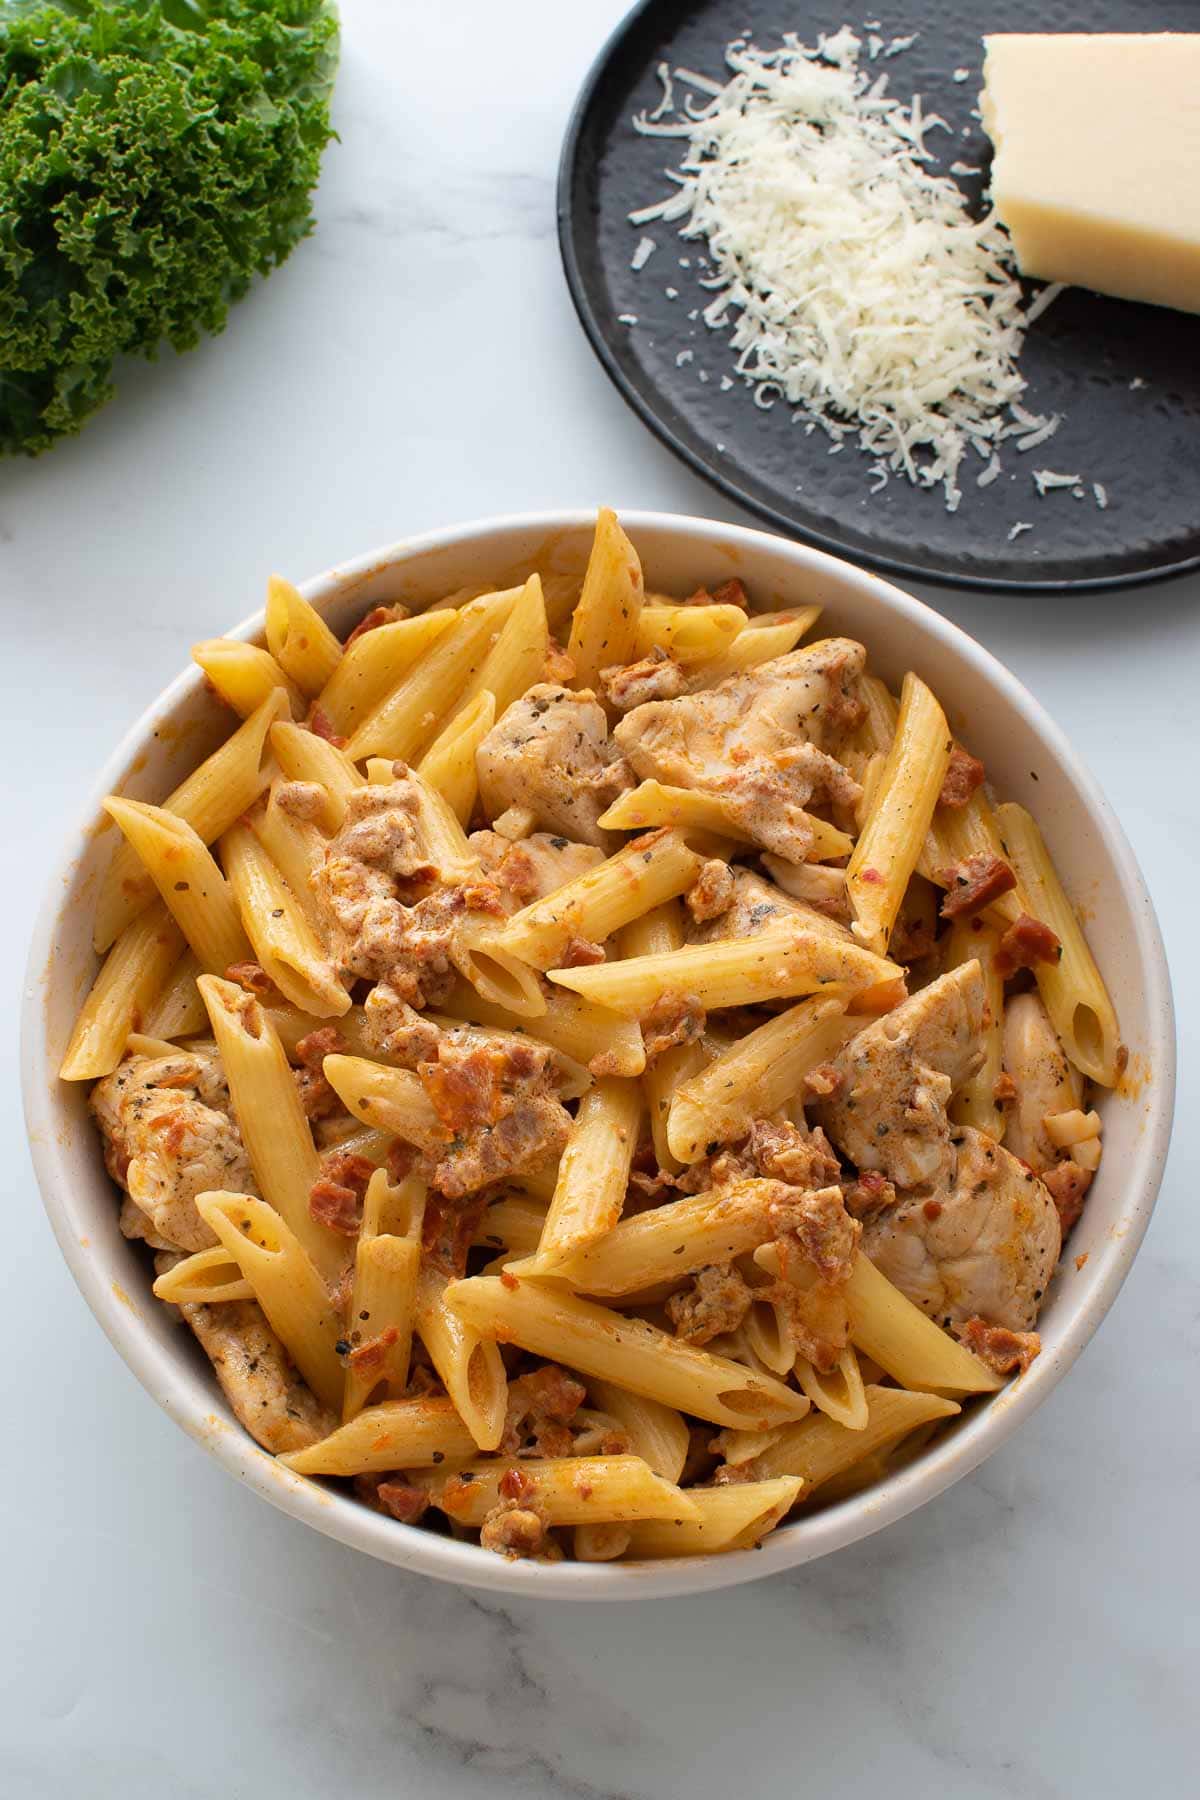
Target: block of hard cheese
(1097, 165)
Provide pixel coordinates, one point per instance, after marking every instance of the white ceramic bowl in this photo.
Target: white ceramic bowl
(1028, 759)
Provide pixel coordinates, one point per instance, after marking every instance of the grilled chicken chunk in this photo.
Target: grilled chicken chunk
(981, 1244)
(759, 906)
(765, 741)
(551, 753)
(897, 1077)
(258, 1379)
(169, 1135)
(534, 866)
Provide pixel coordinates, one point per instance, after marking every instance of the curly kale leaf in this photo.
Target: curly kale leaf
(155, 155)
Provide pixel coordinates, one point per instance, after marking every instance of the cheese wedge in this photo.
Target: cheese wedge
(1097, 165)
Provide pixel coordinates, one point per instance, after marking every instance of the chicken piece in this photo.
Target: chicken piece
(1044, 1080)
(759, 906)
(392, 1028)
(498, 1104)
(765, 741)
(169, 1135)
(533, 867)
(541, 1405)
(898, 1075)
(657, 677)
(714, 1302)
(257, 1377)
(983, 1243)
(388, 914)
(551, 753)
(819, 885)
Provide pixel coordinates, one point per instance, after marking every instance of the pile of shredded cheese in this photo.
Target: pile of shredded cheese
(857, 286)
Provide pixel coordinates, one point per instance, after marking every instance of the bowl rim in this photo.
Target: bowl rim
(341, 1517)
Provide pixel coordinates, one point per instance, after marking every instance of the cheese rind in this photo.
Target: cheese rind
(1097, 154)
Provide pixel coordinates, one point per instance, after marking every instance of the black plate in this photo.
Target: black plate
(1125, 377)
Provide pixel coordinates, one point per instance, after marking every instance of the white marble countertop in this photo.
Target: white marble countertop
(1032, 1634)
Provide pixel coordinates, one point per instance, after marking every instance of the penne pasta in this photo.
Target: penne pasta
(763, 637)
(568, 1490)
(467, 1360)
(513, 1224)
(975, 1102)
(375, 663)
(887, 1327)
(226, 785)
(414, 1433)
(735, 1517)
(593, 1173)
(669, 1242)
(271, 1118)
(123, 996)
(581, 1030)
(384, 1295)
(278, 926)
(630, 1352)
(245, 675)
(691, 809)
(286, 1283)
(202, 1278)
(817, 1448)
(604, 627)
(601, 900)
(756, 1075)
(299, 639)
(295, 846)
(890, 843)
(958, 833)
(303, 756)
(739, 972)
(657, 933)
(517, 659)
(449, 764)
(1072, 987)
(840, 1395)
(688, 634)
(431, 690)
(187, 877)
(178, 1011)
(389, 1099)
(656, 1433)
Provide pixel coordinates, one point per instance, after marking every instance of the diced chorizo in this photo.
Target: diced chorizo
(1002, 1350)
(964, 773)
(1026, 943)
(974, 883)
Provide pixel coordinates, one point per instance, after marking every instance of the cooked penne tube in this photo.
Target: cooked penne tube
(573, 1025)
(600, 1543)
(409, 715)
(959, 832)
(634, 1354)
(467, 1360)
(178, 1011)
(377, 662)
(1072, 987)
(668, 1242)
(756, 1075)
(763, 637)
(245, 675)
(890, 844)
(688, 634)
(601, 900)
(567, 1490)
(400, 1434)
(187, 877)
(886, 1326)
(657, 933)
(382, 1311)
(295, 846)
(740, 972)
(656, 1433)
(285, 944)
(271, 1118)
(299, 639)
(225, 785)
(449, 763)
(389, 1099)
(734, 1517)
(651, 804)
(513, 1224)
(134, 974)
(286, 1283)
(593, 1173)
(604, 626)
(517, 659)
(817, 1448)
(975, 1102)
(500, 978)
(839, 1395)
(203, 1277)
(303, 756)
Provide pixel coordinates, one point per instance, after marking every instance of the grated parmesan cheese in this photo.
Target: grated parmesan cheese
(1046, 480)
(643, 253)
(854, 283)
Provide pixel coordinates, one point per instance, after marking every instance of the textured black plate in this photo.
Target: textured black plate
(1125, 377)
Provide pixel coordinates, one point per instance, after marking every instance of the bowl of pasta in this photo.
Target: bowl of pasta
(564, 1052)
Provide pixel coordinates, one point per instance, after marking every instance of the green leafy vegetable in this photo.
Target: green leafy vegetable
(155, 155)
